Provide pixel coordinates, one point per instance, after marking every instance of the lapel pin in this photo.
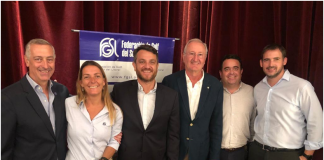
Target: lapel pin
(208, 87)
(55, 93)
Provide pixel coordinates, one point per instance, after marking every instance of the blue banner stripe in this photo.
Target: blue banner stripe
(105, 46)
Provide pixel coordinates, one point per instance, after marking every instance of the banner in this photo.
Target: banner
(114, 52)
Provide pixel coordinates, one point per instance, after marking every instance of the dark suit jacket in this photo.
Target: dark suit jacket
(201, 137)
(26, 130)
(160, 140)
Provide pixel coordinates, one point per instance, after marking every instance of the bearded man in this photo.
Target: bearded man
(151, 112)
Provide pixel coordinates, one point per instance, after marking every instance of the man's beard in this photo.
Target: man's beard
(139, 76)
(276, 74)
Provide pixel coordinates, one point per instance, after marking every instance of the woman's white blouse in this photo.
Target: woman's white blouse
(88, 139)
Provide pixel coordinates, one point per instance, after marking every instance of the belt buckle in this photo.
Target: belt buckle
(231, 149)
(264, 148)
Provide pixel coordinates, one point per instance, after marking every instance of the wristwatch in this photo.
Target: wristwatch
(308, 157)
(103, 158)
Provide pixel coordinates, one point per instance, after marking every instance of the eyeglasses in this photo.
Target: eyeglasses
(192, 54)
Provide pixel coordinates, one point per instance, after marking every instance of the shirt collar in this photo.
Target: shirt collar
(200, 81)
(286, 77)
(34, 84)
(241, 84)
(140, 88)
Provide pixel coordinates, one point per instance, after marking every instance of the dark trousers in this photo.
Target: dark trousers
(257, 153)
(239, 154)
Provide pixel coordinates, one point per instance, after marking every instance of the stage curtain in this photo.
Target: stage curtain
(242, 28)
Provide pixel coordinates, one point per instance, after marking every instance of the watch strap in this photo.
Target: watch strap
(308, 157)
(103, 158)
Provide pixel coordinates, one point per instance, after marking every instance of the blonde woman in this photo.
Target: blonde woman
(93, 119)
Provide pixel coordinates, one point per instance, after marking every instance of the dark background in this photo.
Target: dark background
(242, 28)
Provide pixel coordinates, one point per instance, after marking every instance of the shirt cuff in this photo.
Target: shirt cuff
(313, 145)
(114, 145)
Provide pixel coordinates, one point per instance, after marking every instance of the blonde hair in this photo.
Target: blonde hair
(105, 96)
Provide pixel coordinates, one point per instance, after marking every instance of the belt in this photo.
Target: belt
(232, 149)
(273, 149)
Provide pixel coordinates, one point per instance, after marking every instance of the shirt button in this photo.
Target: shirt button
(45, 100)
(188, 139)
(191, 124)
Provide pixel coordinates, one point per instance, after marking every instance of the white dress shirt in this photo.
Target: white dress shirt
(87, 139)
(194, 95)
(282, 111)
(238, 116)
(146, 102)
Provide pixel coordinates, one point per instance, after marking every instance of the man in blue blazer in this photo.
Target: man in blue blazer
(33, 121)
(201, 103)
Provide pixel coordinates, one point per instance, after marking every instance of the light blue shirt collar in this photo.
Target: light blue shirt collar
(34, 84)
(286, 77)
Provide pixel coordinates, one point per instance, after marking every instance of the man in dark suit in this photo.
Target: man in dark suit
(201, 103)
(32, 110)
(151, 112)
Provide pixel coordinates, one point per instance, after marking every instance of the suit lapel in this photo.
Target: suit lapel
(134, 104)
(184, 93)
(58, 113)
(158, 105)
(37, 105)
(203, 96)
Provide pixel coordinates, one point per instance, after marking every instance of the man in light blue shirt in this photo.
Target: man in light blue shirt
(289, 122)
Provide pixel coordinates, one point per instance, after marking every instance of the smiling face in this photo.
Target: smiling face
(231, 72)
(92, 81)
(41, 63)
(146, 66)
(194, 57)
(273, 63)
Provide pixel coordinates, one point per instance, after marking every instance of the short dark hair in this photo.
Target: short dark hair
(231, 56)
(274, 46)
(147, 48)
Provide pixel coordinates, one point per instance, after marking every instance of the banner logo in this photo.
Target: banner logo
(108, 47)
